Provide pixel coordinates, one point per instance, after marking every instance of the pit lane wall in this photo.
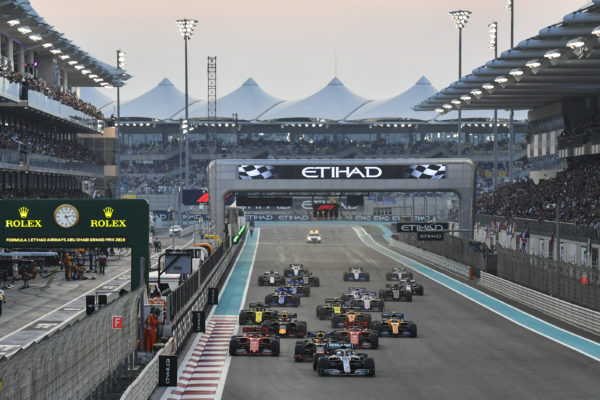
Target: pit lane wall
(74, 362)
(147, 381)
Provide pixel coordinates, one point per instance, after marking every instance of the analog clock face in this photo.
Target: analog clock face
(66, 216)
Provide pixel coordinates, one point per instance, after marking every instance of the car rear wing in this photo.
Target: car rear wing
(335, 346)
(333, 300)
(256, 329)
(360, 289)
(392, 315)
(362, 324)
(290, 315)
(259, 305)
(295, 265)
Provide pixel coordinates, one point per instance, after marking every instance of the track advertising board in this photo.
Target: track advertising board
(70, 223)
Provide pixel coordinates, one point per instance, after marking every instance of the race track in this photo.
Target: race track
(463, 350)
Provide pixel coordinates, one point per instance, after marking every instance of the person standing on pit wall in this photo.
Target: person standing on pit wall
(150, 327)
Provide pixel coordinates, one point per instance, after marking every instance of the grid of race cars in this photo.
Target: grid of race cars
(359, 317)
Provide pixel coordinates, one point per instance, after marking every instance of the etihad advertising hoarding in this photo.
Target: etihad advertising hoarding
(416, 171)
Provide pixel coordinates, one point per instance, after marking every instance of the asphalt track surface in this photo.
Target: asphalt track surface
(463, 351)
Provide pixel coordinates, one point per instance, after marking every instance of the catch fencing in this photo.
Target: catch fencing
(580, 317)
(554, 278)
(75, 361)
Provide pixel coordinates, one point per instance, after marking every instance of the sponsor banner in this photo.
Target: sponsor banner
(348, 217)
(167, 370)
(430, 236)
(303, 204)
(421, 227)
(416, 171)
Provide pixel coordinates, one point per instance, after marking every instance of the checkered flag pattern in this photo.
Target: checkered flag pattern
(431, 171)
(256, 172)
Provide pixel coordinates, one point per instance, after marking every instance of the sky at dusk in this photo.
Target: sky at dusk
(288, 46)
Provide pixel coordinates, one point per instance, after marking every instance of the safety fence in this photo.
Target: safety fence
(570, 313)
(429, 257)
(147, 381)
(75, 362)
(143, 386)
(569, 282)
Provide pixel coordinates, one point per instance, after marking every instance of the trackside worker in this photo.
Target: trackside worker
(2, 300)
(150, 327)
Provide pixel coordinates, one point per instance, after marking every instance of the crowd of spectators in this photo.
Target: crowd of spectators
(576, 189)
(161, 180)
(29, 142)
(586, 128)
(30, 193)
(30, 82)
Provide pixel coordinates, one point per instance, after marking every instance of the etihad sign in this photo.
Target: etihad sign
(108, 223)
(348, 172)
(23, 222)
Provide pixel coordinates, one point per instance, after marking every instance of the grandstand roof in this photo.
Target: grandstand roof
(334, 102)
(248, 101)
(162, 102)
(22, 14)
(563, 60)
(520, 115)
(399, 107)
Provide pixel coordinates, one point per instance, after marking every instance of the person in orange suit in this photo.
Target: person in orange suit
(150, 328)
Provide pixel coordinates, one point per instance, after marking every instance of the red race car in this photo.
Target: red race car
(255, 341)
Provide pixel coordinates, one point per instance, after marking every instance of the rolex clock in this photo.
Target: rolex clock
(66, 216)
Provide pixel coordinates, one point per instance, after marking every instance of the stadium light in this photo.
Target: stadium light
(24, 30)
(466, 98)
(596, 31)
(64, 57)
(13, 22)
(477, 93)
(186, 28)
(72, 62)
(493, 36)
(78, 67)
(460, 19)
(578, 45)
(553, 55)
(56, 51)
(456, 102)
(517, 74)
(534, 65)
(46, 45)
(489, 87)
(121, 59)
(501, 80)
(85, 71)
(447, 106)
(36, 38)
(440, 110)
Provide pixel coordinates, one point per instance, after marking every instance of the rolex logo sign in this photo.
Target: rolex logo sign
(108, 222)
(23, 222)
(108, 212)
(23, 211)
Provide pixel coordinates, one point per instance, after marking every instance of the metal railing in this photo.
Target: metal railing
(570, 313)
(39, 101)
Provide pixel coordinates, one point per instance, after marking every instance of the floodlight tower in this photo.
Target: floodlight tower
(186, 28)
(120, 66)
(493, 44)
(510, 5)
(460, 19)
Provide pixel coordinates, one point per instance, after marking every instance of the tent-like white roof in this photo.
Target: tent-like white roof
(248, 101)
(399, 107)
(334, 102)
(162, 102)
(101, 98)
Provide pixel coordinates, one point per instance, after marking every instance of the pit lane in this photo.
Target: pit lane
(463, 350)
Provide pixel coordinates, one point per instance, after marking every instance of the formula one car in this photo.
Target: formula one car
(254, 342)
(256, 314)
(415, 287)
(350, 317)
(359, 337)
(317, 343)
(296, 286)
(313, 237)
(394, 325)
(398, 274)
(271, 278)
(286, 326)
(396, 292)
(346, 362)
(356, 274)
(331, 306)
(368, 302)
(282, 298)
(297, 271)
(353, 293)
